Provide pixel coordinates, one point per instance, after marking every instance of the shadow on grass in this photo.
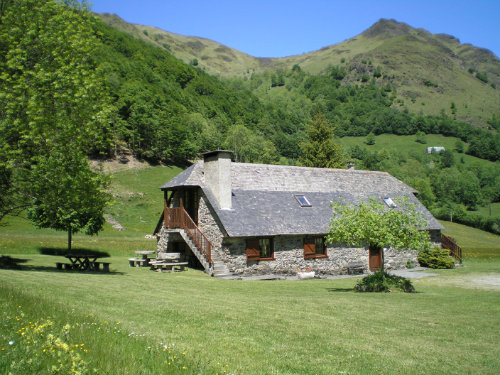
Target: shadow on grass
(55, 270)
(8, 262)
(340, 290)
(58, 251)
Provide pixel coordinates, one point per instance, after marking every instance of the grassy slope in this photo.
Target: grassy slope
(318, 326)
(407, 145)
(138, 205)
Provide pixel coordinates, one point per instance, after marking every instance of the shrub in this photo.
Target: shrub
(482, 76)
(381, 281)
(435, 258)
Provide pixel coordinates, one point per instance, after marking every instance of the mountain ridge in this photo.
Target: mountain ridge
(431, 72)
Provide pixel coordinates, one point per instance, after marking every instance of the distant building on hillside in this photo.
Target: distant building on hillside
(436, 149)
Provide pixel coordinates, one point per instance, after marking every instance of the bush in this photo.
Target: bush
(381, 281)
(436, 258)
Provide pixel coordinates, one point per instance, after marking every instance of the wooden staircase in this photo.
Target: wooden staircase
(178, 220)
(450, 244)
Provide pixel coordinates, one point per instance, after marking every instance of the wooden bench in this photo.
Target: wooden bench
(167, 266)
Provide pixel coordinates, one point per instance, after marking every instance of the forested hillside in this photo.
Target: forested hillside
(431, 72)
(171, 111)
(161, 109)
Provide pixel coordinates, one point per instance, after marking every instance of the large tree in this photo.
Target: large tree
(320, 149)
(67, 194)
(55, 111)
(377, 225)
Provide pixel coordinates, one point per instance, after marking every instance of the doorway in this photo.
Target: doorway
(375, 258)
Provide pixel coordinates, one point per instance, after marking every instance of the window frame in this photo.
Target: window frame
(302, 196)
(309, 243)
(254, 248)
(389, 202)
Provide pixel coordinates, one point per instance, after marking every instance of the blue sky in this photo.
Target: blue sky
(278, 28)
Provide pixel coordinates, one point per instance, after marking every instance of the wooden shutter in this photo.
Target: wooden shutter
(253, 251)
(309, 248)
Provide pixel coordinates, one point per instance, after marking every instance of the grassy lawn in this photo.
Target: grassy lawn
(134, 320)
(313, 327)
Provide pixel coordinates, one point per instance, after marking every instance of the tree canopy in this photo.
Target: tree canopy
(376, 225)
(56, 112)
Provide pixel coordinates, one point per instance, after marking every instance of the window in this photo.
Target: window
(303, 201)
(389, 202)
(260, 249)
(315, 248)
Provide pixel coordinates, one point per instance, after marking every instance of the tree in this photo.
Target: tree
(249, 147)
(447, 159)
(320, 150)
(377, 226)
(370, 139)
(55, 110)
(67, 194)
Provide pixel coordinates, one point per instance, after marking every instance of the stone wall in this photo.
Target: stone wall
(289, 255)
(208, 223)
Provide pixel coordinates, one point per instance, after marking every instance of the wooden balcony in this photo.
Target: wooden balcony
(177, 217)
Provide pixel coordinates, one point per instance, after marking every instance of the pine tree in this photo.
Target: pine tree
(320, 150)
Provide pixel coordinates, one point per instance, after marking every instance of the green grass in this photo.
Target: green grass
(476, 244)
(139, 201)
(37, 334)
(317, 326)
(407, 145)
(450, 326)
(138, 206)
(490, 211)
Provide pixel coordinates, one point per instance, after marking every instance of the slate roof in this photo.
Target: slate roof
(264, 203)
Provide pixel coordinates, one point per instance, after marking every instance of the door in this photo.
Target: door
(190, 203)
(375, 258)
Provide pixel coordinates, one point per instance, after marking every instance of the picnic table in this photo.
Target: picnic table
(143, 260)
(169, 262)
(84, 262)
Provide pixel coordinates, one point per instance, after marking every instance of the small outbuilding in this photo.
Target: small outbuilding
(435, 149)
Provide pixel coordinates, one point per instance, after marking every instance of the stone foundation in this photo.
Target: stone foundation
(289, 255)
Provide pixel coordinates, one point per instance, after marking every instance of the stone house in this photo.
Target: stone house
(249, 219)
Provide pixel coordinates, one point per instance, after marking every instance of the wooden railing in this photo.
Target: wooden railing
(177, 217)
(450, 244)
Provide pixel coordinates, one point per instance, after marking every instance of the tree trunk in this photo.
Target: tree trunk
(69, 240)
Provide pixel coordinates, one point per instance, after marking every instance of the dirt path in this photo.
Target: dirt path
(484, 281)
(474, 281)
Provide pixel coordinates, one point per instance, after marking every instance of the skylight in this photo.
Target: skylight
(389, 202)
(303, 201)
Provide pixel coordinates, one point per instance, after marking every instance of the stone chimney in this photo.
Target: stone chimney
(217, 170)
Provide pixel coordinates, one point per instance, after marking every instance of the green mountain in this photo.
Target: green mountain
(430, 72)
